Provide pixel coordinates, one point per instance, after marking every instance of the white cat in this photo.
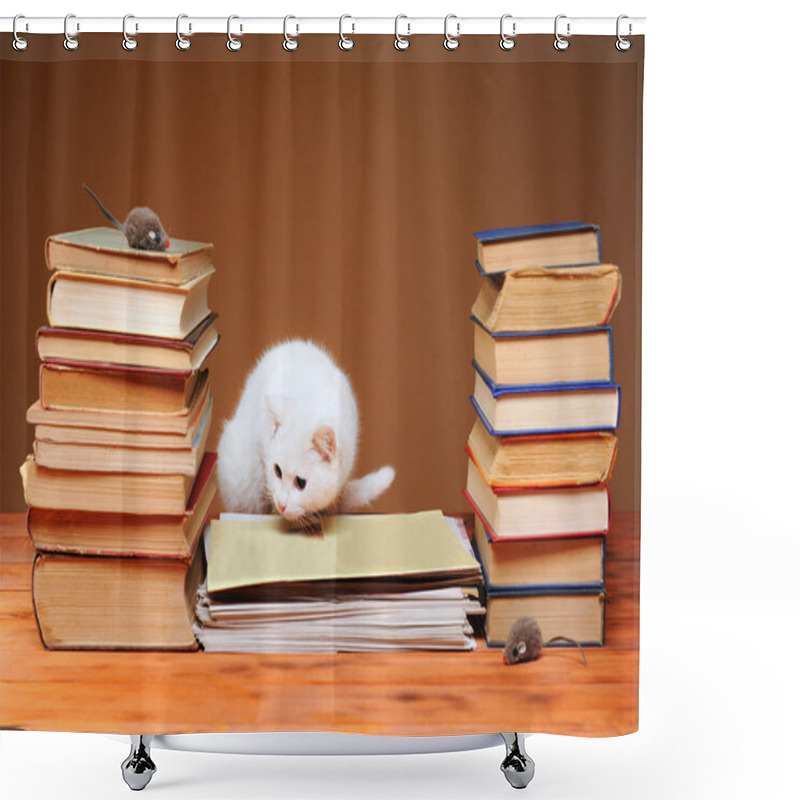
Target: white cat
(291, 444)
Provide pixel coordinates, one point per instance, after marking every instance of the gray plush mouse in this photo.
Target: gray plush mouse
(143, 229)
(524, 642)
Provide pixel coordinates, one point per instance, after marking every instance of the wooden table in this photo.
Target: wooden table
(401, 694)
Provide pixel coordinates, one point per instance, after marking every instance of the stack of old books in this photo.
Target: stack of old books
(119, 484)
(543, 445)
(364, 583)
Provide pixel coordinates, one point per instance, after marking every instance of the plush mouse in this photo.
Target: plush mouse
(524, 642)
(143, 229)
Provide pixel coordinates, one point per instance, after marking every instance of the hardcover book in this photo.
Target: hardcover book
(538, 299)
(88, 602)
(530, 513)
(62, 434)
(105, 251)
(557, 244)
(542, 357)
(568, 459)
(114, 492)
(115, 534)
(113, 388)
(124, 422)
(515, 409)
(100, 347)
(558, 564)
(577, 615)
(122, 305)
(103, 456)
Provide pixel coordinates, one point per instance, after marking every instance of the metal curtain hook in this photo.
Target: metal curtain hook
(289, 42)
(451, 42)
(560, 42)
(401, 42)
(507, 42)
(182, 43)
(70, 42)
(234, 44)
(345, 42)
(19, 43)
(128, 42)
(622, 43)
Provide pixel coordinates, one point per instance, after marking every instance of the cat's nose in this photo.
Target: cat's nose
(281, 507)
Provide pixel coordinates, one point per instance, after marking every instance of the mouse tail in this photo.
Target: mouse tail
(111, 218)
(361, 492)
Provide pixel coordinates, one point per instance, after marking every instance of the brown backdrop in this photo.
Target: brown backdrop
(341, 191)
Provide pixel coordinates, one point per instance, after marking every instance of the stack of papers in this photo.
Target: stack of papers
(374, 583)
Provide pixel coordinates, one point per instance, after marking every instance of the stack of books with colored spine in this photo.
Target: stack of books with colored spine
(119, 484)
(543, 446)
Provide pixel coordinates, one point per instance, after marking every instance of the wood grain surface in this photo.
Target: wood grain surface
(408, 694)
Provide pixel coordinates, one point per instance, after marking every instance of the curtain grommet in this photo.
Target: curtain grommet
(622, 44)
(560, 43)
(19, 43)
(234, 43)
(290, 43)
(507, 42)
(129, 42)
(401, 42)
(70, 42)
(451, 42)
(182, 42)
(345, 42)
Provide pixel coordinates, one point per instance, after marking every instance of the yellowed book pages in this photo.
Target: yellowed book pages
(370, 546)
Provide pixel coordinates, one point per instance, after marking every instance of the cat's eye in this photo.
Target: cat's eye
(152, 234)
(278, 471)
(300, 483)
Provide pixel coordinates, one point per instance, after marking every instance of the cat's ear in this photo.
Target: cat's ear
(273, 423)
(324, 441)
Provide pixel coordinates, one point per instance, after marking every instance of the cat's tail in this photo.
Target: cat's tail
(362, 491)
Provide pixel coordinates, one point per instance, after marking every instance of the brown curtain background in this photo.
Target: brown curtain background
(341, 192)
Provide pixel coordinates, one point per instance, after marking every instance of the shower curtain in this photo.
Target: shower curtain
(354, 198)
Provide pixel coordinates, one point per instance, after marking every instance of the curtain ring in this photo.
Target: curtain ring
(622, 43)
(401, 42)
(507, 42)
(290, 44)
(560, 42)
(234, 44)
(451, 42)
(70, 42)
(19, 43)
(128, 42)
(345, 42)
(182, 42)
